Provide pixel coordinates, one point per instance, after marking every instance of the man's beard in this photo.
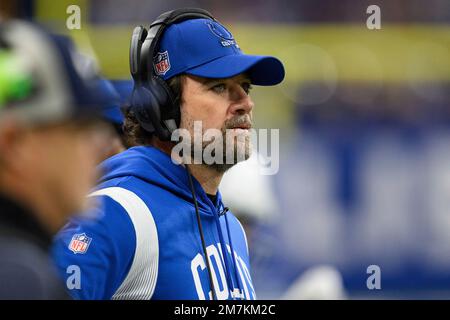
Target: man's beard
(235, 147)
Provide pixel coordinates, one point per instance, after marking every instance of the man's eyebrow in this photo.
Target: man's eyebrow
(206, 81)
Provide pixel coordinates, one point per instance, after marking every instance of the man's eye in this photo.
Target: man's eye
(247, 87)
(219, 88)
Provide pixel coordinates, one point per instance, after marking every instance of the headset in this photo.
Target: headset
(152, 101)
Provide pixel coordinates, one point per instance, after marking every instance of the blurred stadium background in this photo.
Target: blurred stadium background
(364, 119)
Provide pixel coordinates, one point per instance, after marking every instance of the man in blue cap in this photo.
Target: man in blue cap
(160, 230)
(48, 153)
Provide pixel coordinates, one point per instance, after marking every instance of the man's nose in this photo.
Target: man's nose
(241, 102)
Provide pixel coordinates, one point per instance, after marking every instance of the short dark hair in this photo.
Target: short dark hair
(135, 135)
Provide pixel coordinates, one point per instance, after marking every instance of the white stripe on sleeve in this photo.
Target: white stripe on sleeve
(140, 282)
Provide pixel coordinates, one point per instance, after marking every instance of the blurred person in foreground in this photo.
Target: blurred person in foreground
(47, 155)
(161, 230)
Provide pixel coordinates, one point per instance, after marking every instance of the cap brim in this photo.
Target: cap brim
(262, 70)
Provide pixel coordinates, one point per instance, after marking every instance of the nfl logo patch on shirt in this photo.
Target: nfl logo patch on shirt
(161, 63)
(80, 243)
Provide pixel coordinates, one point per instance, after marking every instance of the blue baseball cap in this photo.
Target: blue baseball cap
(205, 48)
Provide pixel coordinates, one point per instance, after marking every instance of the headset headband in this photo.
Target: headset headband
(144, 43)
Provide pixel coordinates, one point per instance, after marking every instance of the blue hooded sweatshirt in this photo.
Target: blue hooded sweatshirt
(142, 240)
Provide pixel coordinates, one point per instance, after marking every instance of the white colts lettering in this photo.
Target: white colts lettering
(198, 266)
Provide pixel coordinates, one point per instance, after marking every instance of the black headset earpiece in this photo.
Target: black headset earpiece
(152, 101)
(148, 101)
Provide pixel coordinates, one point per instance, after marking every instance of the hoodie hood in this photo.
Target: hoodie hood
(156, 167)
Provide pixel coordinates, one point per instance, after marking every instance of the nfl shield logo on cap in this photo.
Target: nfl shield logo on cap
(80, 243)
(161, 63)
